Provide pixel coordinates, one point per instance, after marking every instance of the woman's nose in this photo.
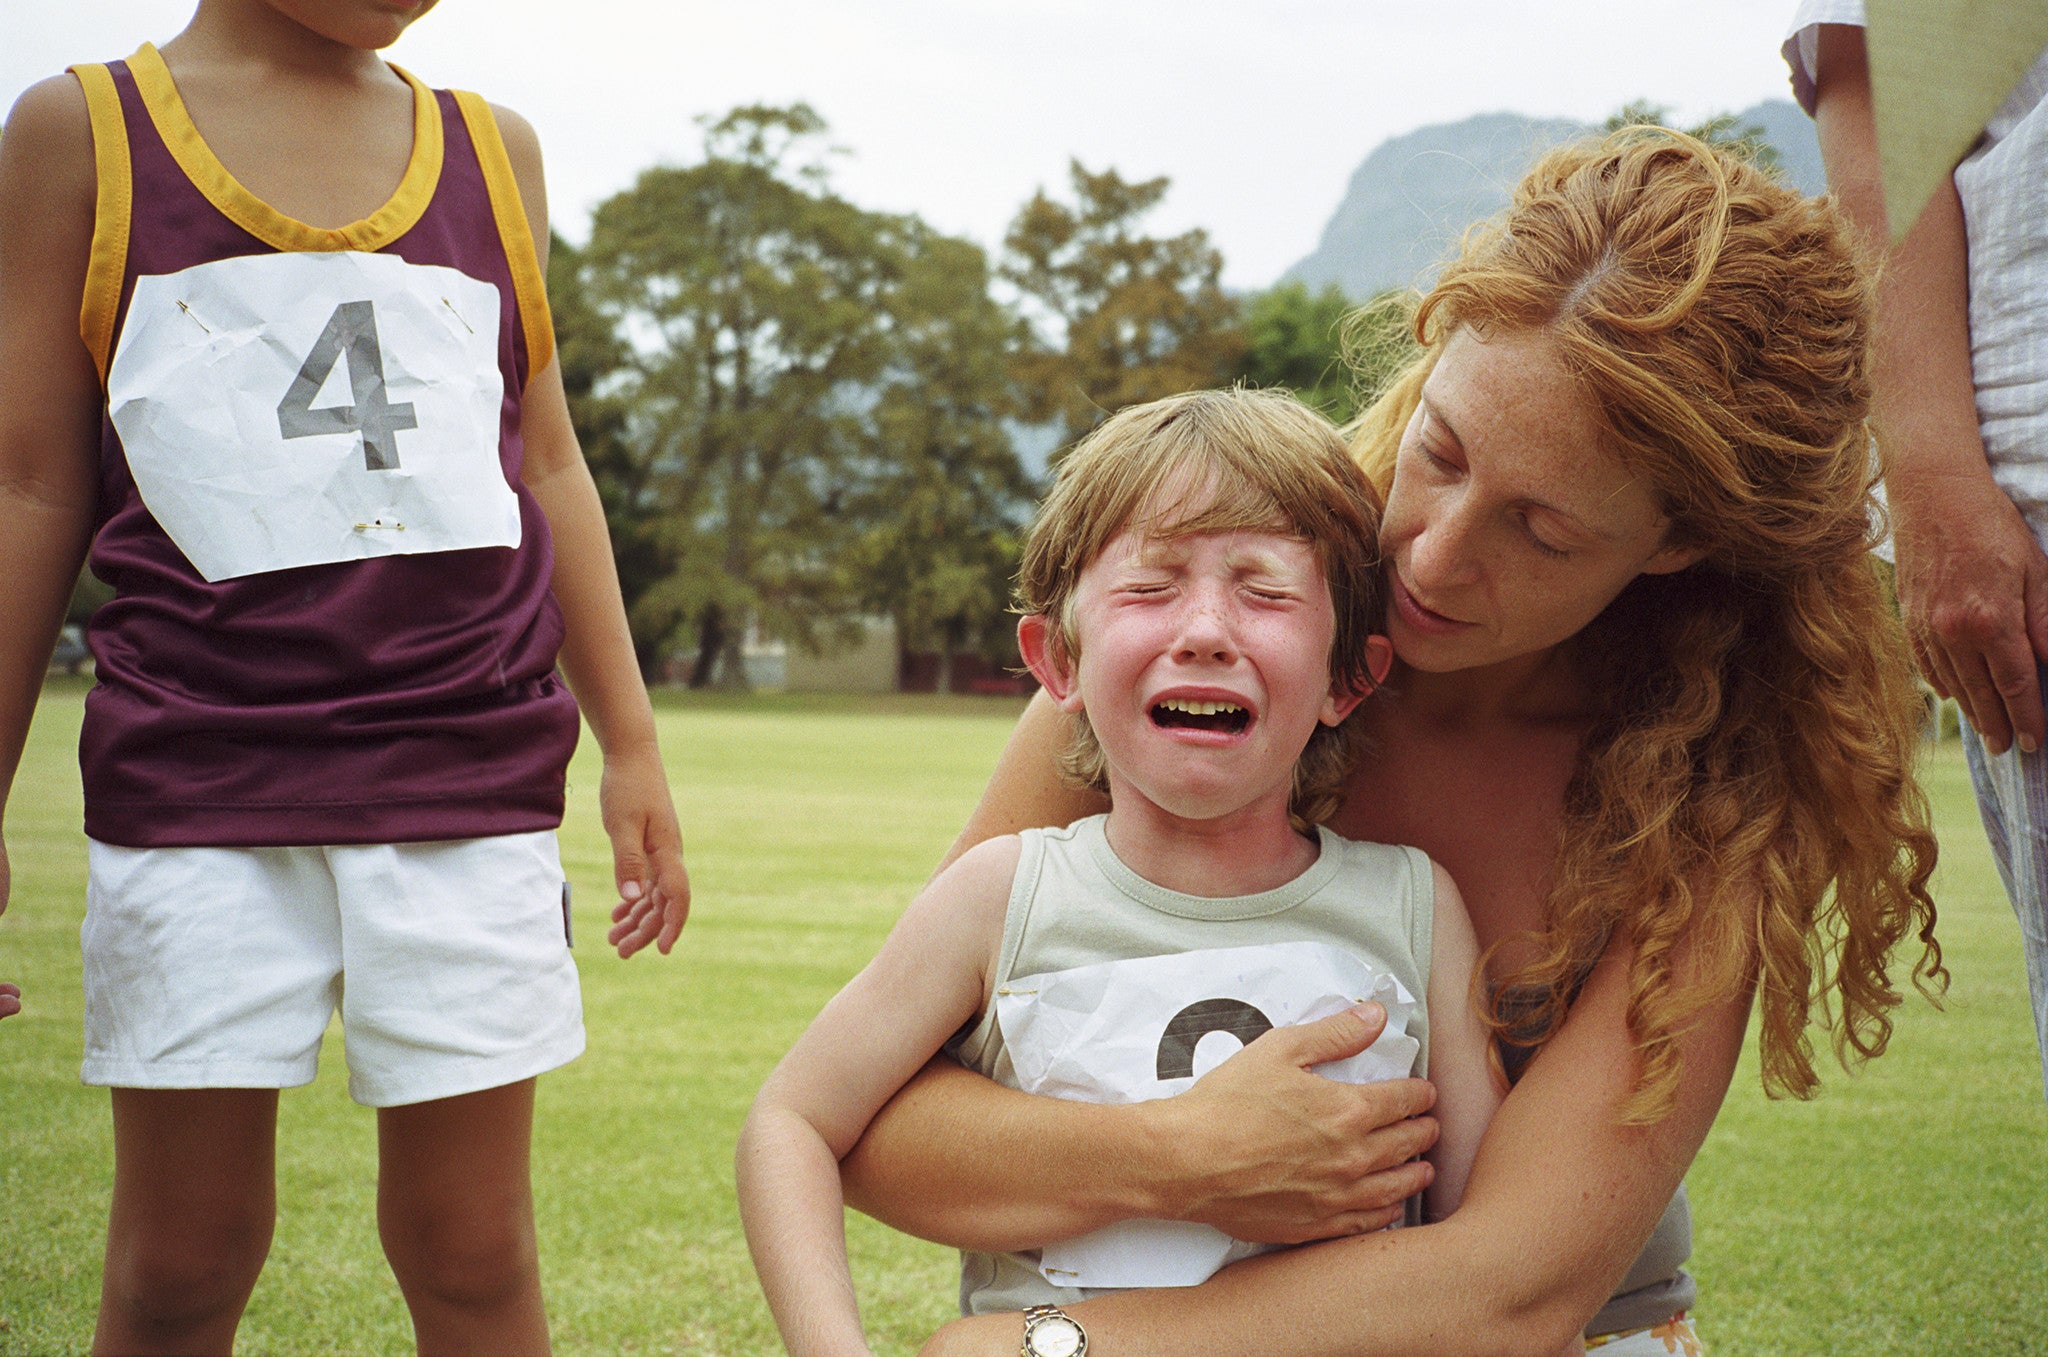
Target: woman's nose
(1445, 552)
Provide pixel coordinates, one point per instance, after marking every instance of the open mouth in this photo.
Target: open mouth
(1186, 713)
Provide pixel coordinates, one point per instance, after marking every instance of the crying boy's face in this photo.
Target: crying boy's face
(1204, 666)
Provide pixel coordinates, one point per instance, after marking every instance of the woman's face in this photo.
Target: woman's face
(1508, 527)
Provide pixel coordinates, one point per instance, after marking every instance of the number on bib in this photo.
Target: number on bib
(351, 333)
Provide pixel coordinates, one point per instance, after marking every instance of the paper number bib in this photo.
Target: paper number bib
(286, 410)
(1130, 1031)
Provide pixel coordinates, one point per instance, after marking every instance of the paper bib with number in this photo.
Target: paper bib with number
(1131, 1031)
(284, 410)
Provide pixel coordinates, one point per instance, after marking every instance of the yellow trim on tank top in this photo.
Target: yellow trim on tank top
(529, 284)
(113, 207)
(407, 204)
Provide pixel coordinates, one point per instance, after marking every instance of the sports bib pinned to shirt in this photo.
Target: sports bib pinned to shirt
(283, 410)
(1131, 1031)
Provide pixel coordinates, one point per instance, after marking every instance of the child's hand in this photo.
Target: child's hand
(647, 854)
(10, 995)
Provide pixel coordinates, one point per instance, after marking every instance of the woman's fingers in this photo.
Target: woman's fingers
(1278, 1154)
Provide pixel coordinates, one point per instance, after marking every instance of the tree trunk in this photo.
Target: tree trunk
(710, 641)
(945, 680)
(732, 669)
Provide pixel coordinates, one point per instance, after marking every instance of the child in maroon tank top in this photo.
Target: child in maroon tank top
(329, 723)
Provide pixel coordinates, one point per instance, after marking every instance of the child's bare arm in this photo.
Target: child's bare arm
(49, 395)
(1461, 1064)
(597, 648)
(931, 976)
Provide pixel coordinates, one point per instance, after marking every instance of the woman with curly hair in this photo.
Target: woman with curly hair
(1653, 711)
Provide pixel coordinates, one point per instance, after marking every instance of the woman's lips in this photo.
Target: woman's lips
(1421, 618)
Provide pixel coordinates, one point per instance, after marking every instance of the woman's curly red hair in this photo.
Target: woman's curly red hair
(1745, 803)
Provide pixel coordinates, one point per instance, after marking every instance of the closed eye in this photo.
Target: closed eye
(1529, 532)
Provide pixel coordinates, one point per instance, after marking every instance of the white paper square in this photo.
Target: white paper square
(1131, 1031)
(209, 355)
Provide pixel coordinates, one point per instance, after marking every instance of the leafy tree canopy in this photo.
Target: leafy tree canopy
(1118, 316)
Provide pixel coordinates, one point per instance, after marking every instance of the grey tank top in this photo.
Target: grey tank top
(1074, 903)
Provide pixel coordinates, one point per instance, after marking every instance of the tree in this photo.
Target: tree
(1749, 140)
(791, 404)
(592, 357)
(749, 296)
(1332, 354)
(1120, 317)
(941, 512)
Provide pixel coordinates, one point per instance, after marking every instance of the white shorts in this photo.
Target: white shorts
(220, 967)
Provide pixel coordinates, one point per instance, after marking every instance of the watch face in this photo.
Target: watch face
(1055, 1336)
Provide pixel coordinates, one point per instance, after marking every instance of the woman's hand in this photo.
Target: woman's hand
(1276, 1154)
(1259, 1148)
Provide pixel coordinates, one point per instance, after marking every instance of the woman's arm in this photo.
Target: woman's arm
(1562, 1198)
(1259, 1147)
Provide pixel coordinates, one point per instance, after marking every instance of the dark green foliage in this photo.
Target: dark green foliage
(941, 513)
(1292, 340)
(1120, 317)
(1332, 354)
(754, 343)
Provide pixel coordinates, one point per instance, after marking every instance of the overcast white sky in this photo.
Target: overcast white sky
(957, 109)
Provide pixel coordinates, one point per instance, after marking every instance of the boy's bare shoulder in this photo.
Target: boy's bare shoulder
(49, 120)
(522, 143)
(977, 883)
(522, 149)
(988, 861)
(48, 183)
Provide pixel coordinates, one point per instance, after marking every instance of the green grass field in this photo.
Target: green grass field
(1903, 1211)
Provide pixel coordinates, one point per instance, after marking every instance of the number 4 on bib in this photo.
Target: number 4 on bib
(351, 333)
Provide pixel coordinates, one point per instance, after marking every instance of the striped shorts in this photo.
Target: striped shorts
(1673, 1336)
(2012, 797)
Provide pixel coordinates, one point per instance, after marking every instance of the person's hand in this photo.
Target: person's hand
(10, 995)
(1973, 587)
(647, 854)
(1279, 1155)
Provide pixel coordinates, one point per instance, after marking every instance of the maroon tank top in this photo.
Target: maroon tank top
(390, 699)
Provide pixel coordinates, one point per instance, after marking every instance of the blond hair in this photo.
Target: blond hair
(1746, 790)
(1217, 462)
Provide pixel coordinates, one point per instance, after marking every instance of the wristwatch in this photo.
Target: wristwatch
(1051, 1332)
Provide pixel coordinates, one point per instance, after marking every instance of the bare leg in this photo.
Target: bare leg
(195, 1199)
(455, 1209)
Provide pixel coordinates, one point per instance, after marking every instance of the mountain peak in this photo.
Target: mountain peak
(1412, 198)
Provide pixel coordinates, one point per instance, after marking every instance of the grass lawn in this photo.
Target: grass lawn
(1903, 1211)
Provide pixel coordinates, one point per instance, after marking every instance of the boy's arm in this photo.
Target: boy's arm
(597, 648)
(1461, 1064)
(930, 978)
(49, 398)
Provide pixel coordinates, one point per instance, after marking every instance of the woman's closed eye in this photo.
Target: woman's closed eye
(1535, 539)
